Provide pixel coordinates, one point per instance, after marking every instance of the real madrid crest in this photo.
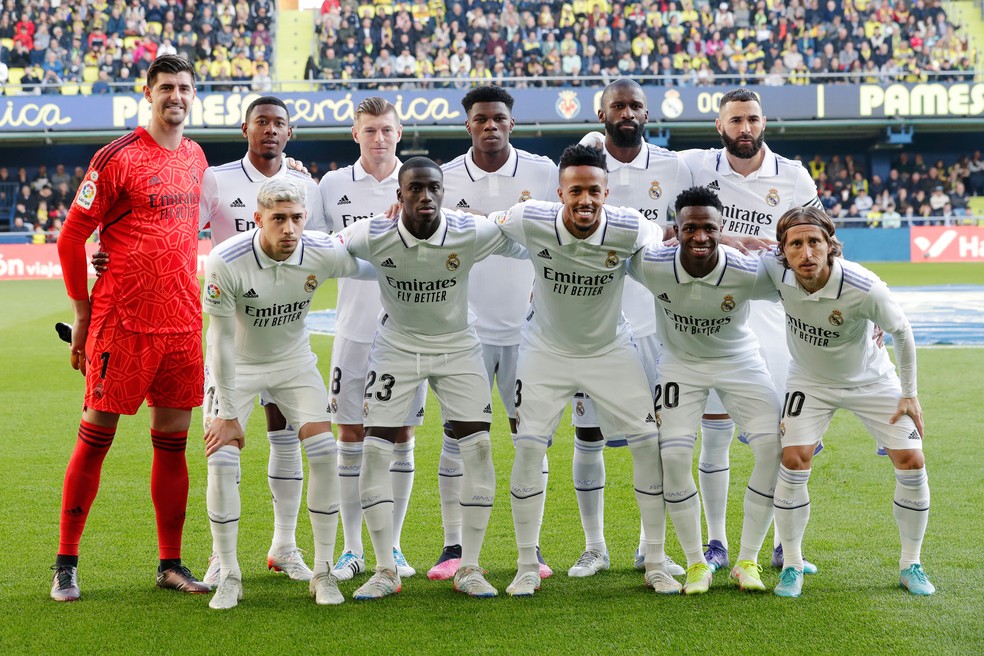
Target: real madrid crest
(453, 262)
(772, 198)
(334, 405)
(655, 191)
(612, 261)
(365, 410)
(310, 284)
(836, 318)
(728, 304)
(579, 408)
(524, 196)
(659, 421)
(782, 428)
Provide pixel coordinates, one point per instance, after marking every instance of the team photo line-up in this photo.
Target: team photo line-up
(710, 281)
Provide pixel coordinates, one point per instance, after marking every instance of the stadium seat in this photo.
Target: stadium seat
(70, 89)
(976, 207)
(154, 28)
(90, 74)
(8, 43)
(130, 42)
(138, 84)
(14, 76)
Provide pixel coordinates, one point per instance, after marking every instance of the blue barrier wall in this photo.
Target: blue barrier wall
(875, 244)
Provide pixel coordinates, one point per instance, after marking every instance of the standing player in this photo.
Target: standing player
(426, 333)
(646, 178)
(258, 290)
(491, 176)
(227, 206)
(831, 305)
(702, 295)
(755, 187)
(139, 334)
(351, 194)
(576, 328)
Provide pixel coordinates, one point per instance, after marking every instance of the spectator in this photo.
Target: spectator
(20, 225)
(890, 217)
(937, 200)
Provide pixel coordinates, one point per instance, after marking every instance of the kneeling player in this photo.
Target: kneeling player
(258, 291)
(830, 306)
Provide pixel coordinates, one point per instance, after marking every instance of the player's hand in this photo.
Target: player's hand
(393, 211)
(80, 331)
(221, 432)
(909, 406)
(593, 140)
(100, 262)
(878, 335)
(748, 245)
(297, 165)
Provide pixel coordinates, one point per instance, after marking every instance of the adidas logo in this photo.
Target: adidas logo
(420, 413)
(388, 263)
(714, 185)
(75, 512)
(251, 294)
(237, 203)
(344, 200)
(463, 203)
(545, 254)
(663, 297)
(488, 409)
(154, 180)
(649, 419)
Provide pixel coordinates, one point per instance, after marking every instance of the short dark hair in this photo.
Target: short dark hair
(172, 64)
(266, 100)
(578, 155)
(487, 94)
(621, 83)
(698, 197)
(739, 95)
(418, 163)
(808, 215)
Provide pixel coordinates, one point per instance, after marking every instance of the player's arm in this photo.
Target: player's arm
(885, 312)
(650, 234)
(764, 287)
(209, 199)
(492, 241)
(219, 301)
(71, 253)
(635, 266)
(593, 139)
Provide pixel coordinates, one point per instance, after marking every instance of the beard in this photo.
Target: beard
(624, 139)
(740, 150)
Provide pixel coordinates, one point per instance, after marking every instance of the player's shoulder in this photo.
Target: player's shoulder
(190, 144)
(660, 153)
(537, 210)
(228, 171)
(459, 221)
(114, 150)
(235, 247)
(858, 277)
(740, 262)
(318, 240)
(301, 178)
(695, 158)
(374, 226)
(456, 164)
(660, 254)
(528, 159)
(343, 175)
(623, 217)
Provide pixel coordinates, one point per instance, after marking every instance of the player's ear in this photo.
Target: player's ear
(355, 134)
(243, 127)
(717, 124)
(258, 219)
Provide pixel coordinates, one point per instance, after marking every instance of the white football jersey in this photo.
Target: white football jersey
(703, 318)
(270, 299)
(229, 198)
(499, 288)
(650, 183)
(829, 332)
(424, 283)
(349, 195)
(753, 204)
(577, 297)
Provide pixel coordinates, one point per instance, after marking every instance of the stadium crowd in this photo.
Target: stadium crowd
(703, 42)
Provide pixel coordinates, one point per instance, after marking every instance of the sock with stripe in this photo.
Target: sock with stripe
(285, 474)
(376, 493)
(449, 472)
(680, 492)
(82, 483)
(759, 503)
(526, 492)
(477, 494)
(792, 503)
(589, 488)
(322, 497)
(223, 503)
(647, 479)
(169, 489)
(402, 472)
(714, 475)
(349, 469)
(911, 509)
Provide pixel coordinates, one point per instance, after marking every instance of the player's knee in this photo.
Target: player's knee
(588, 434)
(904, 459)
(274, 418)
(404, 435)
(797, 457)
(350, 432)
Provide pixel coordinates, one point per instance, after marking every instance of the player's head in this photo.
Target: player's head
(377, 130)
(624, 112)
(741, 123)
(170, 89)
(421, 190)
(583, 188)
(280, 216)
(488, 118)
(698, 226)
(808, 245)
(267, 127)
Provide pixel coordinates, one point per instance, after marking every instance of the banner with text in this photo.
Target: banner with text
(947, 244)
(40, 261)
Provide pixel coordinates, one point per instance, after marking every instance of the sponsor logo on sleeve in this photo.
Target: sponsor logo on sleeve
(87, 194)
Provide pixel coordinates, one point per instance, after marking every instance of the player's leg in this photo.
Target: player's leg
(346, 387)
(322, 500)
(402, 470)
(588, 469)
(714, 474)
(285, 475)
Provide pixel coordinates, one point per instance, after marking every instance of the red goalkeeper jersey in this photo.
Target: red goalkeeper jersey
(144, 200)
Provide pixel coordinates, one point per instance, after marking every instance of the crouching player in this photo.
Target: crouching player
(830, 306)
(258, 289)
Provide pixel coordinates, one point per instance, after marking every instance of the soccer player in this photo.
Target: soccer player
(755, 186)
(491, 176)
(351, 194)
(702, 292)
(426, 333)
(647, 178)
(228, 205)
(830, 306)
(258, 290)
(575, 330)
(139, 334)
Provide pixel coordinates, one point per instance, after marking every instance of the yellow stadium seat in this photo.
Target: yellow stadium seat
(8, 42)
(85, 89)
(70, 89)
(367, 11)
(14, 75)
(90, 74)
(130, 42)
(155, 28)
(139, 84)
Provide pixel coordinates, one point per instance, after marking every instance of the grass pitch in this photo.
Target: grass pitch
(854, 606)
